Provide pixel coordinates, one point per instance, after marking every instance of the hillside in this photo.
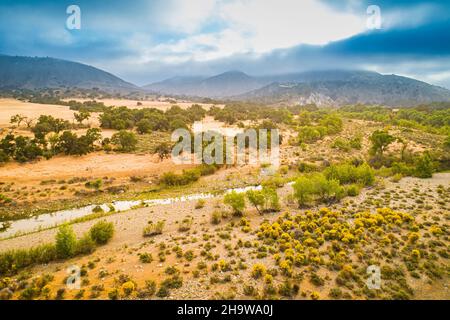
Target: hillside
(340, 87)
(36, 73)
(319, 87)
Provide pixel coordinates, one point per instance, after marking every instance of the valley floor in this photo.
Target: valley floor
(121, 255)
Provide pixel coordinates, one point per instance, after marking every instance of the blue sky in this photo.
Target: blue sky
(148, 40)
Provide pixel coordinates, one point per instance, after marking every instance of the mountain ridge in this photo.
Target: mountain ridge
(322, 87)
(19, 72)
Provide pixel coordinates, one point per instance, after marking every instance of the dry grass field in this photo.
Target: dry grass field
(161, 104)
(11, 107)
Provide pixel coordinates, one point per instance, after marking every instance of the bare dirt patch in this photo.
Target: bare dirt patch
(95, 164)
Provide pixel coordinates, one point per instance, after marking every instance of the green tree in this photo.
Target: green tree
(303, 190)
(125, 140)
(264, 200)
(144, 126)
(380, 141)
(26, 149)
(256, 198)
(67, 143)
(46, 124)
(163, 150)
(424, 166)
(18, 119)
(327, 190)
(236, 201)
(66, 242)
(7, 144)
(81, 116)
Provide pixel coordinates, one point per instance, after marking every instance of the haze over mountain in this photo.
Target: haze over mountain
(35, 73)
(223, 85)
(320, 87)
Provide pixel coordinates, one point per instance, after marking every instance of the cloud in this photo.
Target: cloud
(186, 17)
(147, 40)
(253, 27)
(272, 24)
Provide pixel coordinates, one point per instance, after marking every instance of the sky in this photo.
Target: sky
(143, 41)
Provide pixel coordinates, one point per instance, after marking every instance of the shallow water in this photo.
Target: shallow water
(56, 218)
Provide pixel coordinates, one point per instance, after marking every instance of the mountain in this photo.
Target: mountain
(326, 87)
(36, 73)
(223, 85)
(347, 87)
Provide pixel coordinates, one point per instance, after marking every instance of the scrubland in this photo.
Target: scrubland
(356, 188)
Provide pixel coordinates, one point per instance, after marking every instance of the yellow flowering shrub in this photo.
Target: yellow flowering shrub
(435, 230)
(315, 295)
(128, 288)
(286, 267)
(413, 237)
(258, 270)
(415, 254)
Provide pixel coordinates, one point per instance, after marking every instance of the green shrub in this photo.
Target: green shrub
(341, 144)
(66, 242)
(185, 224)
(335, 293)
(14, 260)
(348, 173)
(163, 292)
(303, 190)
(424, 166)
(305, 167)
(96, 184)
(236, 201)
(286, 289)
(113, 294)
(174, 282)
(145, 257)
(356, 143)
(326, 189)
(154, 229)
(352, 190)
(397, 177)
(200, 204)
(97, 209)
(85, 245)
(128, 288)
(102, 232)
(216, 217)
(316, 280)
